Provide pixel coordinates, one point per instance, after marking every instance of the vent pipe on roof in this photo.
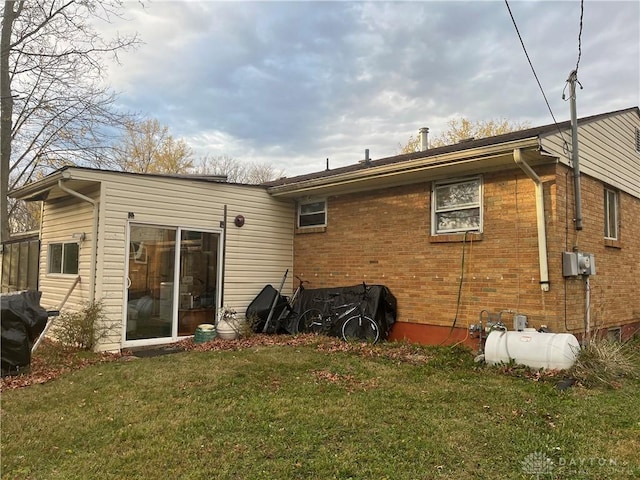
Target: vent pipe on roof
(367, 160)
(423, 135)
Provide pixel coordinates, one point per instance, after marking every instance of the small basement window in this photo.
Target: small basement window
(457, 206)
(63, 258)
(312, 213)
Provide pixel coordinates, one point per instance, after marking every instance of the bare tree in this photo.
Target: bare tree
(463, 129)
(25, 216)
(237, 171)
(56, 108)
(147, 147)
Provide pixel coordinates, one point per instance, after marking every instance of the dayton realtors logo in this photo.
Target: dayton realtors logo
(537, 464)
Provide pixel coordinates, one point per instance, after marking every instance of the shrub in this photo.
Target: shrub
(604, 363)
(82, 329)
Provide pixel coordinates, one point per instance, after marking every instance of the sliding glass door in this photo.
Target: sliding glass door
(172, 282)
(198, 280)
(150, 282)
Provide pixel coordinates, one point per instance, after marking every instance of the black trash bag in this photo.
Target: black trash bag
(22, 320)
(258, 312)
(380, 304)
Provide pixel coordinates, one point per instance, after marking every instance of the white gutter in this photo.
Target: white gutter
(94, 236)
(409, 166)
(542, 233)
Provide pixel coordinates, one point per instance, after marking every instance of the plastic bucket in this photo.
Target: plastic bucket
(204, 333)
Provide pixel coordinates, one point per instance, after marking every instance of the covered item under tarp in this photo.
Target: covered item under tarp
(380, 304)
(258, 311)
(22, 321)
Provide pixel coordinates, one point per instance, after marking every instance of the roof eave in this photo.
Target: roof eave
(37, 190)
(388, 170)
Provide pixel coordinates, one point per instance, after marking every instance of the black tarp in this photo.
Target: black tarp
(258, 311)
(22, 321)
(379, 304)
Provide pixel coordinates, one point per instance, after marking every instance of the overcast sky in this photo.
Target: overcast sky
(294, 83)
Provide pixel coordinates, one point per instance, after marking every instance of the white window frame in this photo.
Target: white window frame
(302, 203)
(611, 230)
(62, 259)
(435, 210)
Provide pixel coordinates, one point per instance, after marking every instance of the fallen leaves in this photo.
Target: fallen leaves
(346, 381)
(52, 360)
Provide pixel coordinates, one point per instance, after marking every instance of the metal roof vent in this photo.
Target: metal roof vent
(367, 160)
(423, 135)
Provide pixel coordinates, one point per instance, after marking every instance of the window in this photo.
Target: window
(457, 206)
(637, 139)
(610, 214)
(63, 258)
(312, 213)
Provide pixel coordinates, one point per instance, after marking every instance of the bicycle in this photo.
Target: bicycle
(356, 325)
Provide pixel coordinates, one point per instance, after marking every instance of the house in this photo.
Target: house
(480, 230)
(161, 252)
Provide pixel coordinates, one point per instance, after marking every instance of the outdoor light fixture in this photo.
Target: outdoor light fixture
(80, 236)
(238, 221)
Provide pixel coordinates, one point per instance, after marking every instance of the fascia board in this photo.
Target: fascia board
(32, 191)
(391, 170)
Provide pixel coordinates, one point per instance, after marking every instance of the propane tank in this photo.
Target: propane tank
(557, 351)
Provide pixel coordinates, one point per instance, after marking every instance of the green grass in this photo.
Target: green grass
(319, 410)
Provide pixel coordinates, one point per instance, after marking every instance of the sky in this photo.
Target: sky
(291, 84)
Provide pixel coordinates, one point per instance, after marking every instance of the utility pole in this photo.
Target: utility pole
(573, 79)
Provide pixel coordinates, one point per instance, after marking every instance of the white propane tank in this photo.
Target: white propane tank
(556, 351)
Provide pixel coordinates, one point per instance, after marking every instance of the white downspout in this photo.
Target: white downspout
(94, 237)
(542, 233)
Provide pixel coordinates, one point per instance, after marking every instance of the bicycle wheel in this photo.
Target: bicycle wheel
(310, 322)
(360, 327)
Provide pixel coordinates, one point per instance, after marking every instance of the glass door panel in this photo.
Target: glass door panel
(151, 270)
(198, 280)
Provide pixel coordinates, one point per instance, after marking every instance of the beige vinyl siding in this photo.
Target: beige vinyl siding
(256, 254)
(61, 219)
(607, 150)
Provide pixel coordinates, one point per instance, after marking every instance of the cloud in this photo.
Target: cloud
(293, 83)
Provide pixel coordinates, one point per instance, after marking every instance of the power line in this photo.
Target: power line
(534, 70)
(580, 35)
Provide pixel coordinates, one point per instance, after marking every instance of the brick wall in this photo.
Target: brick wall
(384, 237)
(615, 289)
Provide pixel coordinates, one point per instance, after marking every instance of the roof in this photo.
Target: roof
(507, 139)
(42, 188)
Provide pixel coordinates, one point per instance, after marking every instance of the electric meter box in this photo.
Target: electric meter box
(578, 263)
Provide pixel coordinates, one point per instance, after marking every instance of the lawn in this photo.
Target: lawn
(313, 408)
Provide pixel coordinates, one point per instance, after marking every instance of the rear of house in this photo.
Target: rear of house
(479, 228)
(457, 233)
